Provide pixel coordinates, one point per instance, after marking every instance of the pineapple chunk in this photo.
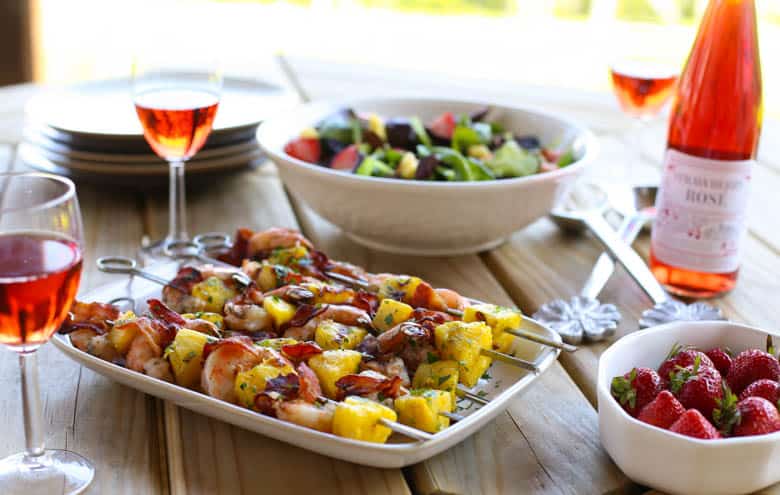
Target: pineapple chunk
(332, 365)
(310, 133)
(420, 409)
(123, 332)
(499, 319)
(251, 382)
(214, 318)
(377, 126)
(399, 287)
(214, 293)
(391, 313)
(287, 256)
(329, 294)
(358, 418)
(277, 344)
(462, 342)
(186, 356)
(271, 277)
(280, 310)
(331, 335)
(441, 375)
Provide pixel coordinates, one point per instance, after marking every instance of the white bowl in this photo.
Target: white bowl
(675, 463)
(425, 217)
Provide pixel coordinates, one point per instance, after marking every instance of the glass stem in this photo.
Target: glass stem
(31, 404)
(177, 216)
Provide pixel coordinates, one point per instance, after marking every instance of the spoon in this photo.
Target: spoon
(665, 309)
(584, 316)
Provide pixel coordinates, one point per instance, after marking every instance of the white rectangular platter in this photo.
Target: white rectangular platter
(505, 383)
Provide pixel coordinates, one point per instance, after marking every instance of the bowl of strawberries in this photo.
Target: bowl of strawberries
(693, 407)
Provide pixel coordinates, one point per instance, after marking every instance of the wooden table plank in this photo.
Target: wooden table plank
(219, 458)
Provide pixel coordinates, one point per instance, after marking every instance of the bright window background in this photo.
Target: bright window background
(559, 43)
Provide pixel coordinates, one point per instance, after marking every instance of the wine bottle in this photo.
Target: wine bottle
(713, 135)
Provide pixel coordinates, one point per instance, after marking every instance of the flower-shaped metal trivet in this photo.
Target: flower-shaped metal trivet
(672, 310)
(580, 318)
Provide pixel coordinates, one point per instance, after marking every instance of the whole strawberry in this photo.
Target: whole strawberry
(721, 359)
(768, 389)
(693, 424)
(681, 356)
(697, 387)
(750, 366)
(663, 411)
(758, 416)
(636, 389)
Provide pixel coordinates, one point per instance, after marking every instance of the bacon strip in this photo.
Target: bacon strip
(240, 249)
(165, 314)
(301, 351)
(303, 315)
(287, 386)
(367, 384)
(430, 319)
(366, 301)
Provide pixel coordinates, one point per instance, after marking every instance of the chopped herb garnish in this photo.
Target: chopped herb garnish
(443, 379)
(389, 319)
(432, 358)
(482, 393)
(243, 386)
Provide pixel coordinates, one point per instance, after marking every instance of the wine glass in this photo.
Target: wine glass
(40, 269)
(176, 103)
(643, 87)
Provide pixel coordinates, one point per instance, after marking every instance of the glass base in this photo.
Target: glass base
(56, 471)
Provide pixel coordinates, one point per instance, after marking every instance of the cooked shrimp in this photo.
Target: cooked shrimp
(203, 326)
(148, 345)
(317, 416)
(247, 318)
(159, 368)
(81, 337)
(391, 367)
(340, 313)
(452, 299)
(309, 384)
(224, 360)
(101, 346)
(276, 237)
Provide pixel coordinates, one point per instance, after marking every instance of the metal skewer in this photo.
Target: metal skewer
(517, 332)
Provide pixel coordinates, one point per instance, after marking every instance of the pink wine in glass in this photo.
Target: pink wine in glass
(176, 122)
(39, 277)
(642, 89)
(713, 135)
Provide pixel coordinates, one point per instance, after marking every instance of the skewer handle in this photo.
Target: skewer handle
(127, 266)
(525, 334)
(511, 360)
(406, 431)
(462, 392)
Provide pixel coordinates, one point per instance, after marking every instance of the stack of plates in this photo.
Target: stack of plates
(90, 131)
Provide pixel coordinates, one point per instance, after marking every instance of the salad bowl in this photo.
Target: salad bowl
(428, 217)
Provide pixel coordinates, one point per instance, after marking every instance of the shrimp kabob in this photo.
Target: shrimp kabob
(290, 345)
(288, 247)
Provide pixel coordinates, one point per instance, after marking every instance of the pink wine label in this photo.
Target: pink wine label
(701, 212)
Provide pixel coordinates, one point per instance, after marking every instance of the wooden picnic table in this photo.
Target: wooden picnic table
(546, 442)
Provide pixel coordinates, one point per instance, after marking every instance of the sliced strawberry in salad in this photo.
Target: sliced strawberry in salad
(347, 158)
(443, 126)
(303, 148)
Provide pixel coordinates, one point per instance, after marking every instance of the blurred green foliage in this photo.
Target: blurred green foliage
(484, 7)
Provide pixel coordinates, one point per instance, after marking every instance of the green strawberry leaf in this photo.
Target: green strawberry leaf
(726, 415)
(623, 390)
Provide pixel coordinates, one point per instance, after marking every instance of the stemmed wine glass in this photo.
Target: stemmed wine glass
(40, 269)
(643, 86)
(176, 103)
